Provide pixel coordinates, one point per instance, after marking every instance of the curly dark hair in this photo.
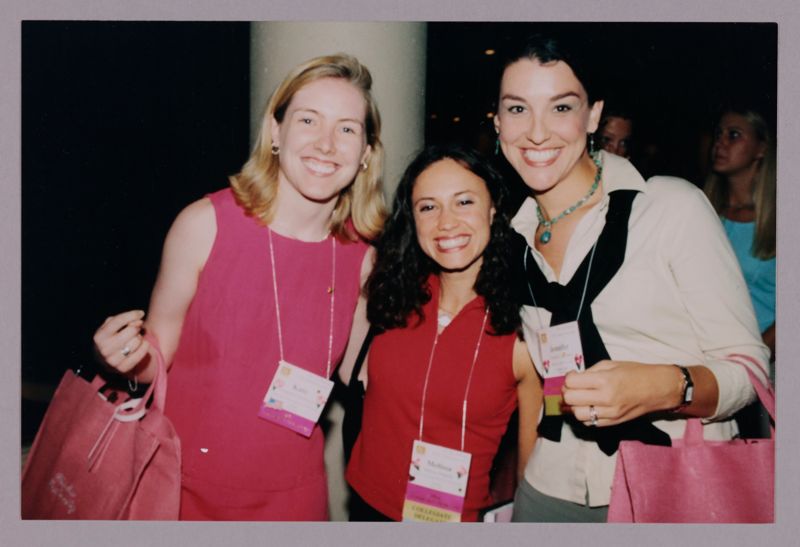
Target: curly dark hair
(398, 286)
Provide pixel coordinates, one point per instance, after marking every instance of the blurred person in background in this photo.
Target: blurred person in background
(741, 187)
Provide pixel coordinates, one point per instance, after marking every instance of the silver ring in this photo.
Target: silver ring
(126, 351)
(593, 415)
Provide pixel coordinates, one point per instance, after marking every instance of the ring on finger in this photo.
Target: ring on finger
(126, 351)
(593, 415)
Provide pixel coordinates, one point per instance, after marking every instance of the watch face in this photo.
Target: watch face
(689, 394)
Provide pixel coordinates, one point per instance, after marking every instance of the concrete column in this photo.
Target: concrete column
(394, 52)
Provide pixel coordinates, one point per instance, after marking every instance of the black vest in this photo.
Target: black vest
(563, 302)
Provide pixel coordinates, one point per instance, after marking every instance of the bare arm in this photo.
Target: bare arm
(358, 331)
(186, 250)
(529, 397)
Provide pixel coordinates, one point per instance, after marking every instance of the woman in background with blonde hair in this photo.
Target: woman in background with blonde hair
(260, 281)
(741, 187)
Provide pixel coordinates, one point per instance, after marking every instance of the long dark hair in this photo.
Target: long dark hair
(398, 286)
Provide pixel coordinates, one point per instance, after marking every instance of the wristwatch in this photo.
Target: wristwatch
(688, 389)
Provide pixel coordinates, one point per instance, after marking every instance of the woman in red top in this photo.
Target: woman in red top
(447, 367)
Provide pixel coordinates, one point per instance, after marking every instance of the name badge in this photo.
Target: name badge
(295, 398)
(437, 483)
(561, 352)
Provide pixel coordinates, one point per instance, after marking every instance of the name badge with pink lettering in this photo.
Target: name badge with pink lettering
(295, 398)
(437, 483)
(561, 352)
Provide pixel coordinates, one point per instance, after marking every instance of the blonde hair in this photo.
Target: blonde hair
(256, 186)
(716, 188)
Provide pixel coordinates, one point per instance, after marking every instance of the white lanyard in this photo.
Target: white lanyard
(330, 291)
(466, 391)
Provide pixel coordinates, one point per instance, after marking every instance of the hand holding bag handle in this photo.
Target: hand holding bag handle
(133, 409)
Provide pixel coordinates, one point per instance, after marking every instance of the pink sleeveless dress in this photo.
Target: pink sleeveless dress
(237, 466)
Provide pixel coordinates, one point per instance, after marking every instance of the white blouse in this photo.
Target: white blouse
(679, 297)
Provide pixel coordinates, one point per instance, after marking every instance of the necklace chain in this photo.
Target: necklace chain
(547, 224)
(469, 380)
(330, 291)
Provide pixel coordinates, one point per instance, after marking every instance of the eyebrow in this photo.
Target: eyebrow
(511, 97)
(457, 194)
(312, 111)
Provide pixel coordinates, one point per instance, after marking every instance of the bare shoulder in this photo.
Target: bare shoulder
(192, 233)
(522, 362)
(196, 222)
(367, 263)
(198, 215)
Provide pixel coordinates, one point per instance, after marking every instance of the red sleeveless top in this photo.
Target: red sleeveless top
(398, 359)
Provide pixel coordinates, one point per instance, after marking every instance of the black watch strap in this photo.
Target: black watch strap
(688, 388)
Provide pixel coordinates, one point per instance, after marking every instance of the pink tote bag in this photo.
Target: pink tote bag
(697, 480)
(93, 459)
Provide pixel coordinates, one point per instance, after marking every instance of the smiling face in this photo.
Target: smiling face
(615, 136)
(737, 148)
(453, 214)
(321, 139)
(542, 121)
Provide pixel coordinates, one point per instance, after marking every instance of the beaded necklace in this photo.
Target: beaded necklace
(547, 224)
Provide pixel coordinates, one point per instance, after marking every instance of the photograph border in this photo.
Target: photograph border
(14, 532)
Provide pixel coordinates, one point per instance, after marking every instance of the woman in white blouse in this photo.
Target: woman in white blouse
(640, 280)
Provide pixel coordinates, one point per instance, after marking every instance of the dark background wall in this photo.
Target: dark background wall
(672, 77)
(123, 124)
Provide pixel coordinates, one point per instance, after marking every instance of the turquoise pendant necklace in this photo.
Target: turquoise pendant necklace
(548, 224)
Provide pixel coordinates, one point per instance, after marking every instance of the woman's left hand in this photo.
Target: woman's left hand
(620, 391)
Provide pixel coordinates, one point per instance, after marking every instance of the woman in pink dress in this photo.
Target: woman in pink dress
(258, 279)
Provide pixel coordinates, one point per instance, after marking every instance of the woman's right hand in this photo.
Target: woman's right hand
(119, 341)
